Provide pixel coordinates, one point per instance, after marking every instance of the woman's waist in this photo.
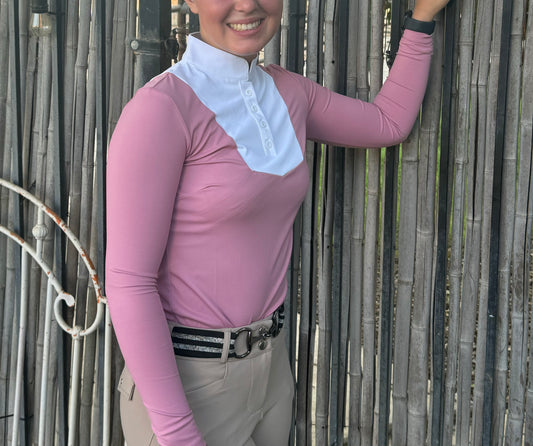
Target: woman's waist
(220, 311)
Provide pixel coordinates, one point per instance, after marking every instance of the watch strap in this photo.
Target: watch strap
(417, 25)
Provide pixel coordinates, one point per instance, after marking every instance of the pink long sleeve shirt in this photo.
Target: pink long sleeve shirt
(206, 173)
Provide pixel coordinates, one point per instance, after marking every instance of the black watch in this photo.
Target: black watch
(417, 25)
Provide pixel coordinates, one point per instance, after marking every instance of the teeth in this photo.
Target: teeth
(244, 27)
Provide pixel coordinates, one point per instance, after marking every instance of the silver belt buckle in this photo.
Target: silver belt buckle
(250, 340)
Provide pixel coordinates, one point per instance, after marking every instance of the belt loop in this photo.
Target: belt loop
(225, 348)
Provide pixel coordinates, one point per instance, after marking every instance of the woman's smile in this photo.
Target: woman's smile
(245, 26)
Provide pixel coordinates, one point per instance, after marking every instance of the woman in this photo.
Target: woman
(205, 176)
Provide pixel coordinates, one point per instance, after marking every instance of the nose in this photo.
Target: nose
(245, 5)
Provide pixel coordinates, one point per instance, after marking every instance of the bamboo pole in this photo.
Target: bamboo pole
(519, 329)
(37, 296)
(372, 234)
(129, 60)
(528, 434)
(71, 42)
(326, 262)
(7, 338)
(324, 309)
(526, 140)
(4, 157)
(465, 44)
(438, 426)
(39, 340)
(406, 252)
(24, 19)
(492, 427)
(31, 70)
(9, 290)
(450, 110)
(475, 194)
(416, 234)
(521, 245)
(356, 244)
(387, 223)
(4, 55)
(89, 346)
(76, 145)
(109, 14)
(273, 50)
(14, 141)
(367, 259)
(308, 295)
(342, 227)
(117, 63)
(101, 18)
(4, 197)
(487, 98)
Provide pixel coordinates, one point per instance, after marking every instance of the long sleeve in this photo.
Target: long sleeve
(343, 121)
(146, 156)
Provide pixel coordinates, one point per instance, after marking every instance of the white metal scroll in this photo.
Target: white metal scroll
(54, 304)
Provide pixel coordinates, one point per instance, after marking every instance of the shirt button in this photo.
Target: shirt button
(263, 124)
(269, 143)
(249, 92)
(254, 108)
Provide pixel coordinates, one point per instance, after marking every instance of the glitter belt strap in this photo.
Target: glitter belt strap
(206, 343)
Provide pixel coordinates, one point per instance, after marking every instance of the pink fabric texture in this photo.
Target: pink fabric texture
(196, 237)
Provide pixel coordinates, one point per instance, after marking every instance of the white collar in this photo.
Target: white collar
(215, 62)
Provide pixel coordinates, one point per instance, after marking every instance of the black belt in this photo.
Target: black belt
(204, 343)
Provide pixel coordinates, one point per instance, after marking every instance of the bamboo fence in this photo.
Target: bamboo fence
(410, 286)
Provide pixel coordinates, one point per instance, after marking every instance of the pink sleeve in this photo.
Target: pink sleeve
(343, 121)
(144, 165)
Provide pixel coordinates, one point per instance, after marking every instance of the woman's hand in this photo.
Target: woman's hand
(425, 10)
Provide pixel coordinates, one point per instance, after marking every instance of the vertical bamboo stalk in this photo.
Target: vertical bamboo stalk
(24, 19)
(356, 246)
(273, 50)
(475, 193)
(356, 296)
(324, 309)
(492, 427)
(342, 225)
(422, 168)
(89, 346)
(486, 110)
(31, 70)
(4, 157)
(117, 63)
(109, 14)
(363, 324)
(441, 245)
(129, 60)
(71, 43)
(76, 146)
(4, 55)
(307, 309)
(461, 158)
(518, 248)
(9, 287)
(98, 244)
(508, 227)
(325, 268)
(16, 390)
(526, 140)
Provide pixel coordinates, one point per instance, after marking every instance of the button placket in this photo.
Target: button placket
(248, 94)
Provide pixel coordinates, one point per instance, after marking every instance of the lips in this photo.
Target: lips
(244, 26)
